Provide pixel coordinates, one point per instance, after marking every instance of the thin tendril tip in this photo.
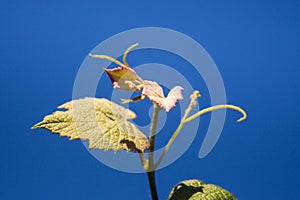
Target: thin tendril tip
(107, 58)
(126, 53)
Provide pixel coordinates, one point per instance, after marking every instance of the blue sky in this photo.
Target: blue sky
(254, 44)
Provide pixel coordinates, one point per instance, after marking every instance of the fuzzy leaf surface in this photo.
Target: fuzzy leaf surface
(155, 93)
(103, 123)
(196, 190)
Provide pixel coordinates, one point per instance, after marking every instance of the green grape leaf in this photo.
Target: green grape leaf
(103, 123)
(196, 190)
(123, 78)
(155, 93)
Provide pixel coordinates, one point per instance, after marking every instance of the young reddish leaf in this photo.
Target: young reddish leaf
(155, 93)
(123, 78)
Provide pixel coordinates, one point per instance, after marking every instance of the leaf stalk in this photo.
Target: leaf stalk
(151, 168)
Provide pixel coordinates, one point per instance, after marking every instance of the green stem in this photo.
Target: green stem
(152, 184)
(144, 161)
(152, 135)
(186, 119)
(151, 169)
(194, 97)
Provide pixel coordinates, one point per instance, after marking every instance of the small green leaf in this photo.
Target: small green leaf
(100, 121)
(196, 190)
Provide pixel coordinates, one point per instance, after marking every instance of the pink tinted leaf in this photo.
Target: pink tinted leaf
(155, 93)
(152, 90)
(173, 96)
(123, 78)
